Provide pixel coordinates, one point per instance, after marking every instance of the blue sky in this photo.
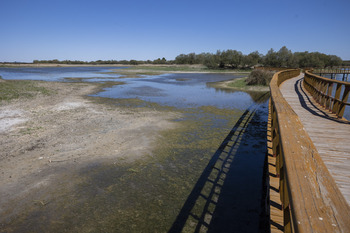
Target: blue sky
(106, 29)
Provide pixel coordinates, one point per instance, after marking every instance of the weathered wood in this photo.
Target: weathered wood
(321, 90)
(332, 71)
(275, 204)
(329, 134)
(315, 201)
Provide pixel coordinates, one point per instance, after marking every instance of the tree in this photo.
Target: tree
(251, 59)
(133, 62)
(234, 58)
(160, 61)
(270, 59)
(334, 61)
(211, 61)
(284, 57)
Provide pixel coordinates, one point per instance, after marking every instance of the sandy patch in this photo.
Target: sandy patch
(69, 106)
(44, 137)
(9, 118)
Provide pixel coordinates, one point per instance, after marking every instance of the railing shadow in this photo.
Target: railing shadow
(305, 102)
(228, 195)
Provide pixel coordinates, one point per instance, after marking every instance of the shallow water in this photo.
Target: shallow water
(58, 73)
(181, 91)
(172, 188)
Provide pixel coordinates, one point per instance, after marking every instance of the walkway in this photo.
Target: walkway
(330, 135)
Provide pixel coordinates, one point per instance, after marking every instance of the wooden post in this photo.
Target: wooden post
(342, 105)
(329, 95)
(336, 99)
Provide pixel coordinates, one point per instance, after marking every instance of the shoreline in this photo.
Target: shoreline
(230, 86)
(10, 65)
(146, 69)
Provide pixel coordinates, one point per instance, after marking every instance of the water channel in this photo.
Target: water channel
(206, 175)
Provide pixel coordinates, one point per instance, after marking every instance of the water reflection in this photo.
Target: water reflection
(182, 91)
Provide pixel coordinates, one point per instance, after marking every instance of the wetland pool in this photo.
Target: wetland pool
(206, 175)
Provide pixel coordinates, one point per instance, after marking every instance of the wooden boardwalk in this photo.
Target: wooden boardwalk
(275, 206)
(330, 135)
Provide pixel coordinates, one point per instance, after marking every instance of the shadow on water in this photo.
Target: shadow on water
(228, 195)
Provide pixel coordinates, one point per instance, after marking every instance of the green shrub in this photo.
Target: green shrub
(259, 77)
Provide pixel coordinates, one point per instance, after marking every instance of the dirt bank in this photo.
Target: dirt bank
(43, 137)
(234, 85)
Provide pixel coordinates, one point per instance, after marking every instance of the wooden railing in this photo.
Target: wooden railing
(339, 70)
(270, 68)
(311, 201)
(331, 94)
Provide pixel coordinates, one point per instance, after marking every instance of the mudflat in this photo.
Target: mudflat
(50, 136)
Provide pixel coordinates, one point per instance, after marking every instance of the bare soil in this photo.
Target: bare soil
(43, 137)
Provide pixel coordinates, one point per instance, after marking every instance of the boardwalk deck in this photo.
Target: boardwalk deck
(329, 135)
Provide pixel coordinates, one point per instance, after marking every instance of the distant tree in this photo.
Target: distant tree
(334, 61)
(160, 61)
(211, 61)
(233, 58)
(181, 59)
(270, 59)
(284, 57)
(133, 62)
(251, 59)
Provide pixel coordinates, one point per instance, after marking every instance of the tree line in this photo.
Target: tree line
(102, 62)
(231, 59)
(281, 58)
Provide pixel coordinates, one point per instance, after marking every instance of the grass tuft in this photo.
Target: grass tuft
(14, 89)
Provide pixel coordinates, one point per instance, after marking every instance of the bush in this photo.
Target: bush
(259, 77)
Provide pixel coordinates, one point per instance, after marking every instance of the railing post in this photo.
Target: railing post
(329, 94)
(336, 103)
(341, 110)
(275, 139)
(286, 207)
(322, 89)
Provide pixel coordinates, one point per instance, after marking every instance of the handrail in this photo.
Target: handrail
(311, 200)
(339, 70)
(321, 90)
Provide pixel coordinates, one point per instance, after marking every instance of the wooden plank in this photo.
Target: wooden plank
(314, 199)
(275, 205)
(330, 135)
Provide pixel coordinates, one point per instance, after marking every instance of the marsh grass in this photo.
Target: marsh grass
(14, 89)
(238, 83)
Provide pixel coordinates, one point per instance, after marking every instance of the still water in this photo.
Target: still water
(58, 73)
(206, 175)
(181, 91)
